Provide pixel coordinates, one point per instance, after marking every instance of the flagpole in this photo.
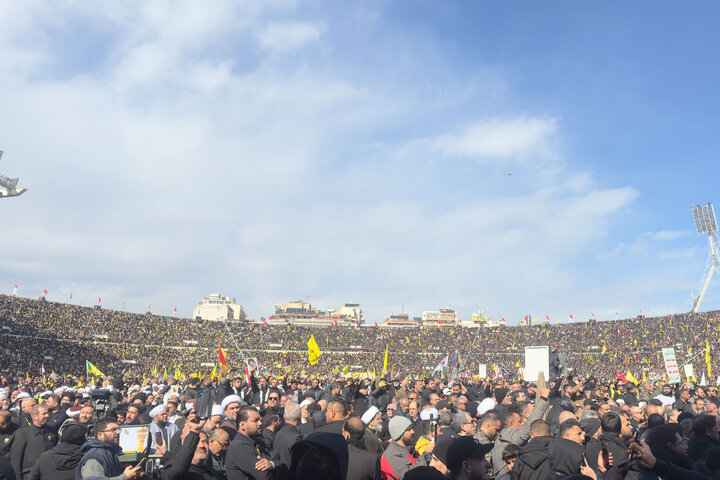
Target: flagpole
(237, 347)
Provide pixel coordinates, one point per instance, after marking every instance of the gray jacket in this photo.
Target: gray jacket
(517, 436)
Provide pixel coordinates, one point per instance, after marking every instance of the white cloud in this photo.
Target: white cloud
(289, 36)
(173, 167)
(501, 139)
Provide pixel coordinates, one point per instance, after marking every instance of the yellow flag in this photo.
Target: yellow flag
(385, 362)
(630, 377)
(345, 369)
(213, 374)
(92, 369)
(707, 358)
(313, 350)
(603, 350)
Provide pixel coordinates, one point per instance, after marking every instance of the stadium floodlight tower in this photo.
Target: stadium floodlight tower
(705, 223)
(8, 186)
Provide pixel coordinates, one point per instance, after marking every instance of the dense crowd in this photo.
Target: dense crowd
(254, 426)
(60, 337)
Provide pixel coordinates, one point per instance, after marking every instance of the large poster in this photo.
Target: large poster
(537, 359)
(133, 438)
(671, 365)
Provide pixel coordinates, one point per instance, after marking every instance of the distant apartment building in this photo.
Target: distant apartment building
(445, 317)
(218, 308)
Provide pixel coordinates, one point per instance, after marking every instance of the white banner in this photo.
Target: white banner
(482, 370)
(537, 359)
(671, 366)
(688, 370)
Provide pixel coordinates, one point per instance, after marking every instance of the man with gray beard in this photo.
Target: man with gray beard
(372, 418)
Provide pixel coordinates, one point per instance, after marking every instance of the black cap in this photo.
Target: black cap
(441, 447)
(463, 448)
(74, 433)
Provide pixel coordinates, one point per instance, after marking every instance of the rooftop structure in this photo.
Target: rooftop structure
(216, 307)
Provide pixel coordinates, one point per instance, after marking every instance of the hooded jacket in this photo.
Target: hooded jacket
(532, 460)
(564, 458)
(59, 463)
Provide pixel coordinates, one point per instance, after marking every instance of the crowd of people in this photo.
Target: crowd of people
(351, 415)
(59, 337)
(246, 425)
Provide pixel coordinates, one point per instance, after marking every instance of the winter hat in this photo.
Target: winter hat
(500, 394)
(590, 425)
(397, 426)
(74, 433)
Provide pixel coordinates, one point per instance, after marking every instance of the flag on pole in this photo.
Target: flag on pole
(15, 290)
(616, 315)
(91, 369)
(604, 350)
(44, 292)
(385, 362)
(593, 316)
(313, 350)
(213, 373)
(441, 366)
(221, 357)
(707, 358)
(99, 300)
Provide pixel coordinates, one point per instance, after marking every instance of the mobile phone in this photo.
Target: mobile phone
(605, 454)
(584, 464)
(158, 438)
(636, 436)
(141, 463)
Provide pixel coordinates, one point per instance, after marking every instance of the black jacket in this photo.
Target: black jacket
(698, 445)
(179, 465)
(532, 460)
(57, 464)
(6, 438)
(362, 465)
(27, 446)
(241, 458)
(332, 427)
(616, 446)
(564, 458)
(285, 438)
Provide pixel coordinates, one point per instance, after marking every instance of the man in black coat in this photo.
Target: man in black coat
(334, 418)
(7, 429)
(532, 460)
(247, 457)
(612, 427)
(288, 435)
(60, 462)
(362, 465)
(31, 442)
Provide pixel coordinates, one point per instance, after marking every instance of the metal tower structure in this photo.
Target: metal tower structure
(8, 186)
(705, 222)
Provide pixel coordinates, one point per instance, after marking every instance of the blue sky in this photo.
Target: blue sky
(360, 151)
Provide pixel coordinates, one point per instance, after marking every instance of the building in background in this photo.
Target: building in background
(302, 313)
(401, 320)
(218, 308)
(445, 317)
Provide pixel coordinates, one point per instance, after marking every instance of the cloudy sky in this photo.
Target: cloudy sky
(539, 158)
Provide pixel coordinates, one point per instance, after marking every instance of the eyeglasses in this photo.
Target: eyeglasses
(273, 398)
(110, 430)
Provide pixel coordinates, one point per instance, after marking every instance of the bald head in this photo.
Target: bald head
(335, 411)
(219, 435)
(27, 404)
(353, 429)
